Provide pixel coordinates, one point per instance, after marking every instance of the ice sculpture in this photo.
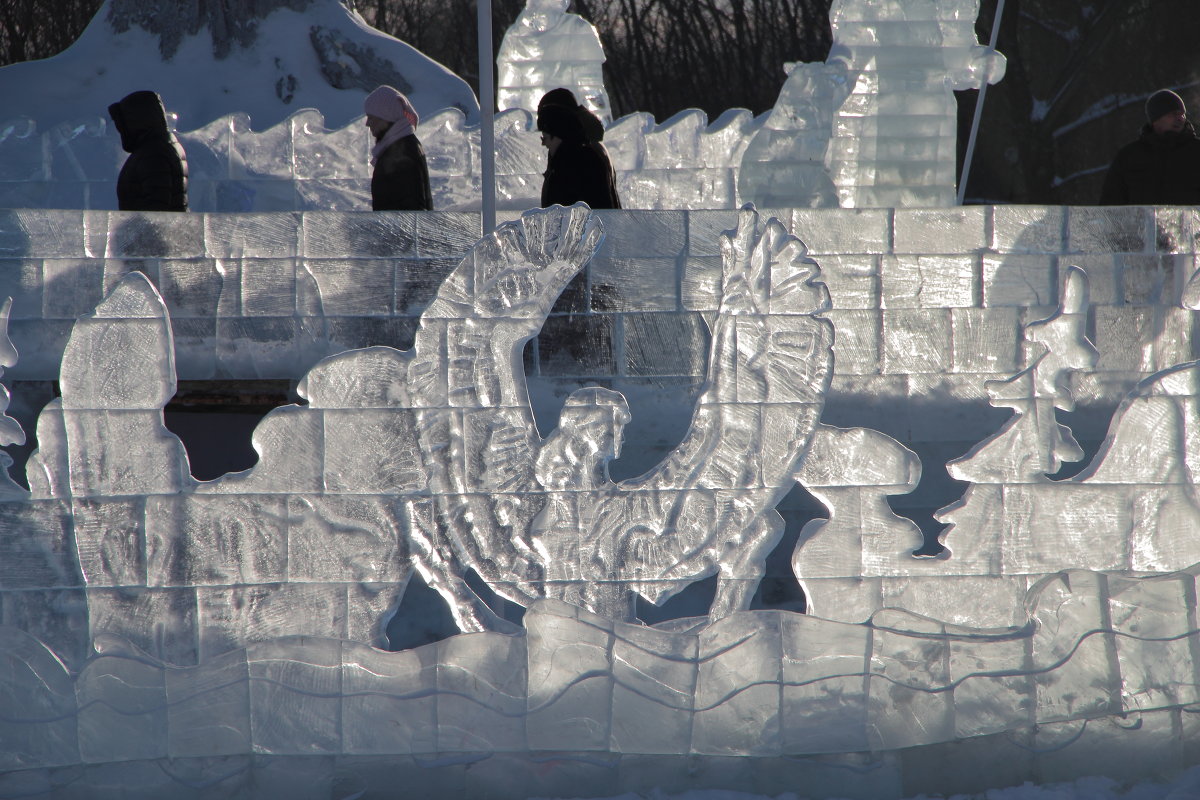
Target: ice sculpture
(1032, 445)
(231, 619)
(431, 461)
(875, 125)
(786, 162)
(852, 471)
(547, 48)
(10, 429)
(535, 525)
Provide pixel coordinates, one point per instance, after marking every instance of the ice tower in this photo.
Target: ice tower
(875, 125)
(547, 48)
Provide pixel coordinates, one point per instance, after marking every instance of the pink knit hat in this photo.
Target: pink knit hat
(387, 103)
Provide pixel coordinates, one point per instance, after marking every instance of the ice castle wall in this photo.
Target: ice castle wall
(927, 302)
(927, 306)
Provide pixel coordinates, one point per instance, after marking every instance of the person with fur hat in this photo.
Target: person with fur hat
(1163, 166)
(400, 179)
(155, 176)
(578, 168)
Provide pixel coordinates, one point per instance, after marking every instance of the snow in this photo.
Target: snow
(279, 76)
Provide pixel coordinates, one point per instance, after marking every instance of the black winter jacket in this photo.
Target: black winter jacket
(1161, 169)
(400, 181)
(155, 176)
(580, 172)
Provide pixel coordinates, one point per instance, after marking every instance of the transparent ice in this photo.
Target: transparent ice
(875, 124)
(547, 48)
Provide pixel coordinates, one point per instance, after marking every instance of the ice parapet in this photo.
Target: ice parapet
(547, 48)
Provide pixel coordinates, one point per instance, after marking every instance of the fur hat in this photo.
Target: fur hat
(1163, 102)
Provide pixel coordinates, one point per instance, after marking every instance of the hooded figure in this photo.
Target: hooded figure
(154, 177)
(1163, 166)
(400, 180)
(578, 167)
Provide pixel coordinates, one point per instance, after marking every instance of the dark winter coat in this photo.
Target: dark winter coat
(400, 181)
(580, 172)
(155, 176)
(1161, 169)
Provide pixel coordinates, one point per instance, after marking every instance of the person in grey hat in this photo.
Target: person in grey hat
(1162, 167)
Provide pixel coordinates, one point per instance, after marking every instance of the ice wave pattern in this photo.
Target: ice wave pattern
(761, 684)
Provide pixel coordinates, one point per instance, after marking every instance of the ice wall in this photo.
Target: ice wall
(299, 165)
(421, 458)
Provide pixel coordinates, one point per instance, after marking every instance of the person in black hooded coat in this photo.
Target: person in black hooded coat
(155, 176)
(1162, 167)
(578, 167)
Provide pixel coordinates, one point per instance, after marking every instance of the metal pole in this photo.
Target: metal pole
(487, 114)
(962, 183)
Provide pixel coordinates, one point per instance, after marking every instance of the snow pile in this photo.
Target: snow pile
(302, 54)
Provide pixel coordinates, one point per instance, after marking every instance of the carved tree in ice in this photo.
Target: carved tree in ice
(1032, 445)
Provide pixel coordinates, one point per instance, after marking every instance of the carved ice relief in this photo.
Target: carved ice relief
(10, 429)
(853, 471)
(706, 509)
(430, 460)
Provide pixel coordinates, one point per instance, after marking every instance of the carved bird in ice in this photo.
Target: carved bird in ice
(538, 517)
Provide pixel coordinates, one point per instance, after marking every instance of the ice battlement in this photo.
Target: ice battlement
(299, 165)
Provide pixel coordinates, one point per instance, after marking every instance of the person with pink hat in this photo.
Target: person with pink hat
(400, 178)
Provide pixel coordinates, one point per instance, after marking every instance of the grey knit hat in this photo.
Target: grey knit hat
(1163, 102)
